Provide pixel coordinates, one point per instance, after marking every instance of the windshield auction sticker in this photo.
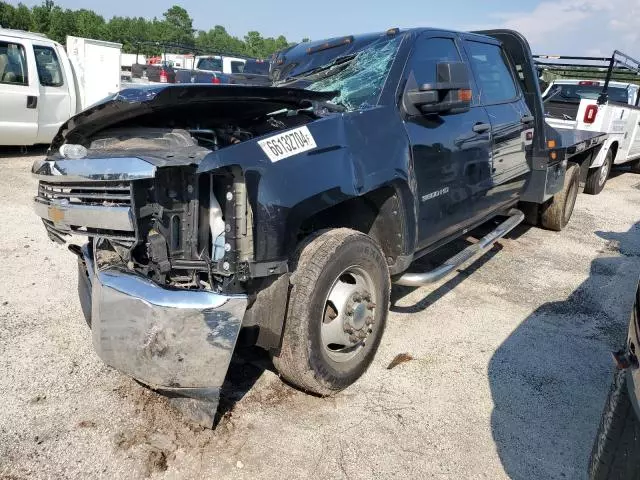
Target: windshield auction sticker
(288, 144)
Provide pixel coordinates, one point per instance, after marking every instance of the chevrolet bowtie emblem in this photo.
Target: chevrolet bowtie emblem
(56, 215)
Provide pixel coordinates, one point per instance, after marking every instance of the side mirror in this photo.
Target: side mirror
(451, 93)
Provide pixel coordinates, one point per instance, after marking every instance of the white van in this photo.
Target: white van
(41, 87)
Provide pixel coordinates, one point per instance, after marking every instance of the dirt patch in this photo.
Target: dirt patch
(161, 432)
(38, 398)
(276, 394)
(156, 462)
(87, 424)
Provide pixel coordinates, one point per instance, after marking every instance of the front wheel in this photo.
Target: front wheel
(337, 311)
(597, 177)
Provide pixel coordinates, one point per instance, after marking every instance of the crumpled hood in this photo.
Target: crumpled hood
(231, 103)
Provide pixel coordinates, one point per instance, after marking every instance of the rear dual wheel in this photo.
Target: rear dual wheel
(556, 213)
(337, 311)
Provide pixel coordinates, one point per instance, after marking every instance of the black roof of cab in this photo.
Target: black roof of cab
(306, 56)
(309, 55)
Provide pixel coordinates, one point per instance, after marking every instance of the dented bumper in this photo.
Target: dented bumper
(176, 341)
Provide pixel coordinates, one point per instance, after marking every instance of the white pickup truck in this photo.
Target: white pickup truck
(219, 63)
(597, 105)
(42, 85)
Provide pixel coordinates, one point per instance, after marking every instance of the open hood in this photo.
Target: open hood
(228, 103)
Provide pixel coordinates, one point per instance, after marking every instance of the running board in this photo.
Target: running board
(419, 279)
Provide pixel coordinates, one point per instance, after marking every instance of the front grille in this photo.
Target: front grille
(116, 194)
(94, 209)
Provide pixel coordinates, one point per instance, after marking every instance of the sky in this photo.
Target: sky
(579, 27)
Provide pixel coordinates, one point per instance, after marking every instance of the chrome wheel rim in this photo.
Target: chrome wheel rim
(349, 316)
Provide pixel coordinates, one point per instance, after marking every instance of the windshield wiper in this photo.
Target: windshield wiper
(341, 62)
(337, 107)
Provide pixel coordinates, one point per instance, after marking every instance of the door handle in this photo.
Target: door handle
(32, 102)
(527, 119)
(481, 127)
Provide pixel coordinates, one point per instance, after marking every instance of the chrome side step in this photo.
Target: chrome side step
(419, 279)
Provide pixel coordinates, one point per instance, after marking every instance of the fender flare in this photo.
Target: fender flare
(598, 161)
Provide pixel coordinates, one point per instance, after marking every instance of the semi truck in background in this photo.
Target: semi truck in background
(42, 85)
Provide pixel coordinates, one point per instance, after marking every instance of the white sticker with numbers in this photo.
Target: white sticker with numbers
(288, 144)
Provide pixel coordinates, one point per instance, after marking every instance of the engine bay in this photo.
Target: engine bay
(193, 231)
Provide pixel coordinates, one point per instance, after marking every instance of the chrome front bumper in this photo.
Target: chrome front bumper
(175, 341)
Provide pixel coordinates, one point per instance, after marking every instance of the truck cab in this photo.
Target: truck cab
(41, 86)
(219, 63)
(37, 91)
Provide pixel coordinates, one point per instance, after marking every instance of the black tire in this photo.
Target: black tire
(597, 177)
(616, 449)
(556, 213)
(320, 262)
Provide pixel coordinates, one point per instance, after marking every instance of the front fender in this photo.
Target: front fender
(357, 153)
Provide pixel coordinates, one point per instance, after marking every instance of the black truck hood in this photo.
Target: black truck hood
(233, 103)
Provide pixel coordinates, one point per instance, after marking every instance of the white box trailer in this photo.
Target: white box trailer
(179, 61)
(97, 68)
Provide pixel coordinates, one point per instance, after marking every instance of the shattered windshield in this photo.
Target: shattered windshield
(359, 79)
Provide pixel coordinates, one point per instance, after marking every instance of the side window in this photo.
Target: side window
(13, 64)
(211, 64)
(494, 78)
(428, 53)
(237, 67)
(48, 65)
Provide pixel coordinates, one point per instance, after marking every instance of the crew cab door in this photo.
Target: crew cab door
(511, 120)
(19, 93)
(451, 152)
(55, 99)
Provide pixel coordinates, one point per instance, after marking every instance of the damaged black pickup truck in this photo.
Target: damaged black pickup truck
(286, 212)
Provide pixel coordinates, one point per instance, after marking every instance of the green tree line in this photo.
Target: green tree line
(175, 27)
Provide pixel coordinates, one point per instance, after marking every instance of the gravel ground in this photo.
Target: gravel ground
(509, 369)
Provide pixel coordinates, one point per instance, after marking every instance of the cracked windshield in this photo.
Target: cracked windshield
(359, 79)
